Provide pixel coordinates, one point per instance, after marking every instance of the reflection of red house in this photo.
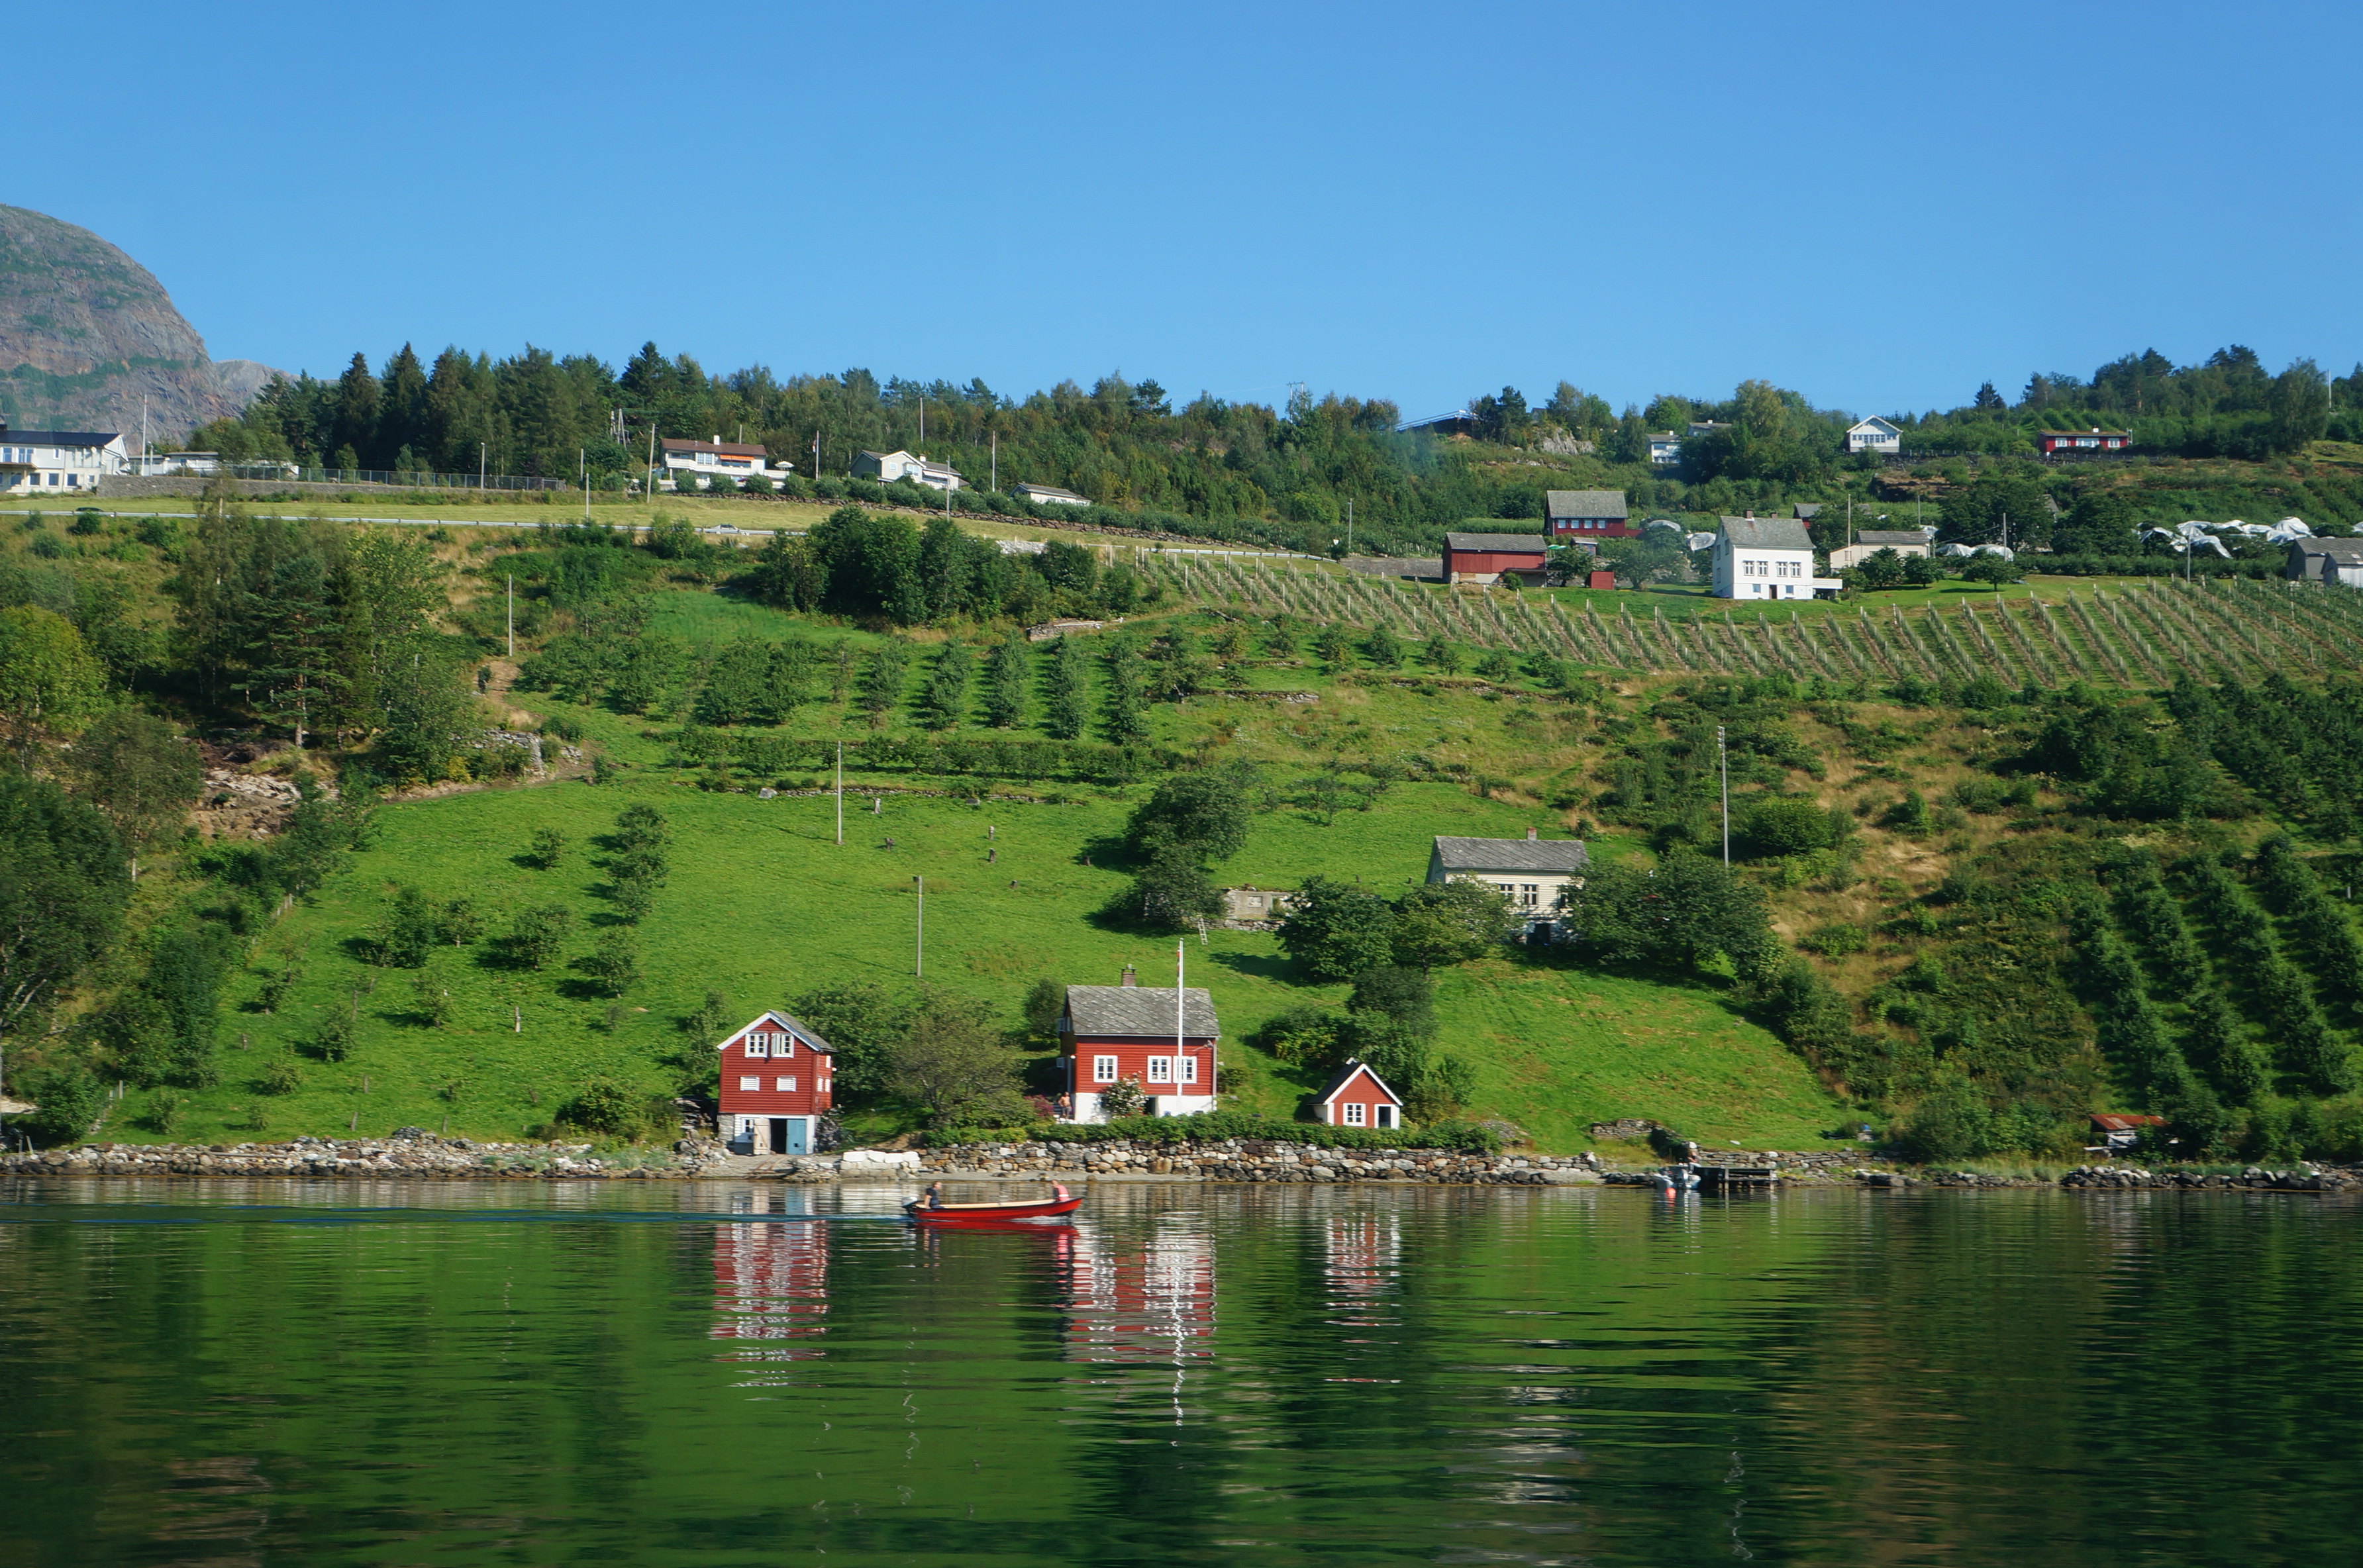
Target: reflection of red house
(1357, 1097)
(2071, 442)
(771, 1279)
(1364, 1252)
(776, 1085)
(1145, 1301)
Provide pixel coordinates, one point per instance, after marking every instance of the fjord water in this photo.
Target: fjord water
(330, 1373)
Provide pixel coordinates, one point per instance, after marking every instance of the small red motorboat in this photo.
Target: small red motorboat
(992, 1213)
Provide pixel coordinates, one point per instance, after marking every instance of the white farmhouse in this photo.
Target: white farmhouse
(1765, 558)
(1868, 541)
(888, 467)
(686, 463)
(58, 462)
(1049, 495)
(1530, 872)
(1876, 435)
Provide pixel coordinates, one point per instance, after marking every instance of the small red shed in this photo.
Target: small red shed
(2122, 1130)
(1483, 557)
(1357, 1096)
(776, 1086)
(1160, 1038)
(1601, 579)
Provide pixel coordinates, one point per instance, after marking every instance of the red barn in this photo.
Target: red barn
(1154, 1036)
(776, 1086)
(1483, 557)
(1357, 1097)
(2074, 442)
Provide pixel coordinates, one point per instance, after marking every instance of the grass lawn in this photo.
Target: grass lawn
(763, 905)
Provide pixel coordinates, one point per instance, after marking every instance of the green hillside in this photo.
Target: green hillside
(2091, 852)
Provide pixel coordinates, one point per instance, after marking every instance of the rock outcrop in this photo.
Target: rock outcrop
(86, 332)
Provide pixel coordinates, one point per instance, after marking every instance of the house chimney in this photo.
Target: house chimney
(1129, 978)
(1530, 835)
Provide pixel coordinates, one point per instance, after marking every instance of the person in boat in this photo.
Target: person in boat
(933, 1197)
(1058, 1191)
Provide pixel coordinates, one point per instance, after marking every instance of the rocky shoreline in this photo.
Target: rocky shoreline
(414, 1154)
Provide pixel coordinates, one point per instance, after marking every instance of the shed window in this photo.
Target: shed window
(1354, 1112)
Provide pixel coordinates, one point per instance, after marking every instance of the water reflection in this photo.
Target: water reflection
(770, 1275)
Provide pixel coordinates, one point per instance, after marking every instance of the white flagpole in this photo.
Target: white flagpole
(1180, 1006)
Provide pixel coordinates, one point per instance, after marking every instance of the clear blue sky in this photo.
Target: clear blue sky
(1881, 207)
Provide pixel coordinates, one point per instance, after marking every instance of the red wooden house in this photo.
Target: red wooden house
(775, 1087)
(1483, 557)
(2073, 442)
(1150, 1036)
(1357, 1097)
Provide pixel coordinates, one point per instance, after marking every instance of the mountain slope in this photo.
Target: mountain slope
(86, 332)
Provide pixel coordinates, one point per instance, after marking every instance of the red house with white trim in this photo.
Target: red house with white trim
(776, 1086)
(1484, 558)
(1357, 1097)
(2054, 443)
(1149, 1035)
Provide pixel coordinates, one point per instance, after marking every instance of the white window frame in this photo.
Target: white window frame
(1161, 1070)
(754, 1047)
(783, 1085)
(1384, 1115)
(1104, 1069)
(783, 1045)
(1189, 1067)
(751, 1085)
(1354, 1112)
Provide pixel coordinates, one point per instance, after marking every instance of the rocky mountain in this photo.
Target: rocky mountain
(86, 332)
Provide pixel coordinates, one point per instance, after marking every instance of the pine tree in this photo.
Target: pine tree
(1069, 704)
(882, 679)
(944, 702)
(1004, 682)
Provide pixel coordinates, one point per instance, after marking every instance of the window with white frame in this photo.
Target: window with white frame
(1189, 1069)
(750, 1084)
(785, 1086)
(1104, 1069)
(1386, 1115)
(1161, 1069)
(783, 1044)
(820, 1085)
(756, 1045)
(1354, 1109)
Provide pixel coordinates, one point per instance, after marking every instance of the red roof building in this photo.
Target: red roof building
(776, 1087)
(1484, 558)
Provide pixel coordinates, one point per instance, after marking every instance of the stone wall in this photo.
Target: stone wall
(1256, 1160)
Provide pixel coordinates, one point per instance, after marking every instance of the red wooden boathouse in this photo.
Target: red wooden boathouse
(776, 1086)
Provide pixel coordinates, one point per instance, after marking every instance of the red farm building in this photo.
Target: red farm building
(2077, 443)
(1357, 1097)
(1484, 558)
(1154, 1036)
(776, 1087)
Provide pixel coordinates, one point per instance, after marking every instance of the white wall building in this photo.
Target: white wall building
(1049, 495)
(1874, 434)
(1767, 557)
(888, 467)
(1530, 872)
(692, 461)
(58, 462)
(1868, 541)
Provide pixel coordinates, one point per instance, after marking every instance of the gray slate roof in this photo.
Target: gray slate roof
(795, 1026)
(1140, 1009)
(2337, 550)
(57, 437)
(1767, 533)
(1534, 543)
(1584, 503)
(1558, 857)
(1890, 537)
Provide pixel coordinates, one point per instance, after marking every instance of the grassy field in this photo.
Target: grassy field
(763, 904)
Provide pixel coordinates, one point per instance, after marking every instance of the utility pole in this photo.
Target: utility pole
(1180, 1009)
(996, 461)
(919, 931)
(1723, 765)
(585, 452)
(483, 463)
(511, 614)
(1349, 524)
(816, 454)
(840, 794)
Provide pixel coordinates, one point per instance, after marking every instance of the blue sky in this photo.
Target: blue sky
(1880, 206)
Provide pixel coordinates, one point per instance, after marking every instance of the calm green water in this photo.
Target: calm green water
(333, 1374)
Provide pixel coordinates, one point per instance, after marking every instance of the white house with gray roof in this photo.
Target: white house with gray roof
(1528, 871)
(1767, 557)
(59, 462)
